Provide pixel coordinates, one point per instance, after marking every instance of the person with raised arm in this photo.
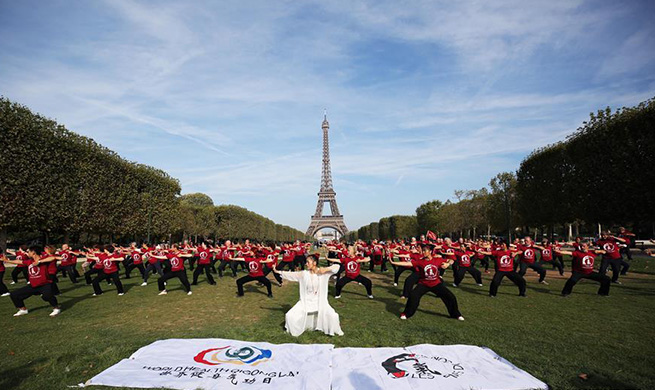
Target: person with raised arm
(465, 265)
(312, 311)
(108, 259)
(427, 267)
(175, 259)
(528, 259)
(504, 267)
(39, 284)
(204, 254)
(255, 272)
(582, 263)
(353, 272)
(612, 256)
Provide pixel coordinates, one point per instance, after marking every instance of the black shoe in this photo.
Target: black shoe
(270, 295)
(194, 283)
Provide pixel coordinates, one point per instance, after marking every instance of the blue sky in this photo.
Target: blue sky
(423, 97)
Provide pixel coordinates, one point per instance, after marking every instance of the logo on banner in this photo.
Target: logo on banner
(419, 366)
(244, 355)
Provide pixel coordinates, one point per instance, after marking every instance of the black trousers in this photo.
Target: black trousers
(534, 266)
(233, 267)
(282, 264)
(68, 270)
(604, 281)
(16, 271)
(461, 271)
(3, 287)
(212, 265)
(192, 261)
(18, 296)
(555, 263)
(268, 270)
(103, 276)
(441, 291)
(299, 261)
(616, 267)
(409, 284)
(152, 267)
(378, 258)
(261, 279)
(511, 275)
(626, 251)
(484, 261)
(181, 274)
(399, 271)
(360, 279)
(198, 271)
(92, 271)
(129, 268)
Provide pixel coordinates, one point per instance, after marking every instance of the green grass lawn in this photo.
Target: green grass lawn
(554, 338)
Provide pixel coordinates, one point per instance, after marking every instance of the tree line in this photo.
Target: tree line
(66, 187)
(601, 175)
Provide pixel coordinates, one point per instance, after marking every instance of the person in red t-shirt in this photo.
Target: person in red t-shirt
(21, 254)
(39, 281)
(352, 271)
(300, 255)
(504, 267)
(68, 263)
(548, 255)
(255, 272)
(137, 261)
(629, 238)
(108, 259)
(227, 253)
(154, 265)
(174, 260)
(95, 267)
(377, 257)
(528, 252)
(465, 264)
(288, 254)
(583, 268)
(4, 291)
(204, 255)
(427, 268)
(612, 256)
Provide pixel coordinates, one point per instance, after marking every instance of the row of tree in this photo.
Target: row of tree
(68, 187)
(600, 175)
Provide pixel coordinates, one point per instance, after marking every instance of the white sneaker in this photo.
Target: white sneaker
(144, 284)
(460, 318)
(454, 285)
(370, 297)
(121, 294)
(55, 312)
(395, 284)
(403, 316)
(337, 297)
(544, 282)
(189, 293)
(12, 282)
(165, 283)
(480, 284)
(21, 312)
(163, 292)
(6, 294)
(95, 295)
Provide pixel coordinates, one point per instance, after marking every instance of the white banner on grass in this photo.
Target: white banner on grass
(427, 367)
(220, 364)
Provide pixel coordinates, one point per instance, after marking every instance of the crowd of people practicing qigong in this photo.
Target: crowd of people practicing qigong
(425, 260)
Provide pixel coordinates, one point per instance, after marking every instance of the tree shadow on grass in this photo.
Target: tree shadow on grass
(599, 381)
(477, 291)
(13, 377)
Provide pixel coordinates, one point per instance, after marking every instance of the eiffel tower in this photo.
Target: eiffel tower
(326, 194)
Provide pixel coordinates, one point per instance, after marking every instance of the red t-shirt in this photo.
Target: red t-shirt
(464, 258)
(37, 274)
(504, 260)
(351, 266)
(226, 253)
(428, 270)
(109, 266)
(137, 257)
(611, 247)
(547, 253)
(287, 255)
(177, 262)
(204, 256)
(449, 253)
(51, 266)
(528, 255)
(583, 262)
(22, 256)
(67, 258)
(255, 267)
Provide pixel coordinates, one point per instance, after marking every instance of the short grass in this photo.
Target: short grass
(555, 339)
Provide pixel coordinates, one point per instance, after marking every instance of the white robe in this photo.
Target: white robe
(312, 312)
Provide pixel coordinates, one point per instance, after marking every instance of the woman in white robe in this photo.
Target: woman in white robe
(312, 312)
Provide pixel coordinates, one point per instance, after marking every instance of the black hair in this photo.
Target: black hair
(38, 249)
(109, 248)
